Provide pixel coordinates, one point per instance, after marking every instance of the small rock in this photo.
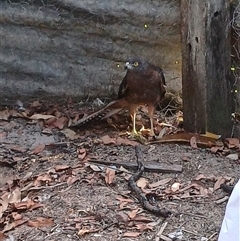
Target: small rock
(176, 235)
(233, 157)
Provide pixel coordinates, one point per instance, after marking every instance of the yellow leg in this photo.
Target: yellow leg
(151, 110)
(133, 110)
(152, 131)
(134, 122)
(134, 131)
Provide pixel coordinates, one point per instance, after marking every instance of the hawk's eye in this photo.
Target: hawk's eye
(135, 64)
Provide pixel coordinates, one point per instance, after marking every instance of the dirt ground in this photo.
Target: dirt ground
(78, 200)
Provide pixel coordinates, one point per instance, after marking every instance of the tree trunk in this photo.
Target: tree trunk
(236, 63)
(206, 76)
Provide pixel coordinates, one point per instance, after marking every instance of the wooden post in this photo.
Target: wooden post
(236, 62)
(206, 68)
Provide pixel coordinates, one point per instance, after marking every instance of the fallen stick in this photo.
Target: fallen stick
(183, 137)
(159, 233)
(138, 192)
(222, 200)
(148, 166)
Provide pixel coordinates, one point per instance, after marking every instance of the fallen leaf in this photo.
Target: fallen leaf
(133, 213)
(82, 153)
(20, 222)
(80, 220)
(159, 183)
(15, 113)
(131, 234)
(193, 142)
(95, 168)
(47, 131)
(57, 113)
(162, 132)
(184, 137)
(75, 117)
(232, 142)
(18, 158)
(60, 168)
(40, 222)
(218, 183)
(142, 182)
(59, 123)
(140, 218)
(128, 200)
(36, 205)
(3, 135)
(199, 177)
(82, 232)
(41, 117)
(204, 191)
(20, 149)
(186, 188)
(107, 140)
(215, 149)
(4, 114)
(72, 180)
(109, 176)
(28, 175)
(16, 216)
(231, 181)
(39, 148)
(4, 201)
(24, 204)
(70, 134)
(185, 158)
(124, 202)
(185, 195)
(36, 104)
(198, 185)
(233, 156)
(122, 217)
(8, 226)
(127, 142)
(2, 236)
(15, 196)
(142, 227)
(123, 205)
(44, 178)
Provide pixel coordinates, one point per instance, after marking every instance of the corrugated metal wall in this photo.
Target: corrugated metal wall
(78, 48)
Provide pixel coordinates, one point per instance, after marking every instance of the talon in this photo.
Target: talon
(137, 136)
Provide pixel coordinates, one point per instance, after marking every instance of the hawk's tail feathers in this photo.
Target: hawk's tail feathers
(104, 113)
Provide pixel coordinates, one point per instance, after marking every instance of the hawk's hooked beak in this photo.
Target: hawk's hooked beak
(128, 66)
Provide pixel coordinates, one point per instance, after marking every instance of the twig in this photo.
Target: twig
(56, 226)
(165, 238)
(192, 214)
(138, 192)
(149, 166)
(33, 236)
(214, 234)
(222, 200)
(159, 233)
(46, 187)
(58, 144)
(187, 231)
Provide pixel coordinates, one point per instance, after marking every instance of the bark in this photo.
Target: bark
(206, 76)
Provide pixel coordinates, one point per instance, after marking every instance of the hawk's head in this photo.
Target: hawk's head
(136, 64)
